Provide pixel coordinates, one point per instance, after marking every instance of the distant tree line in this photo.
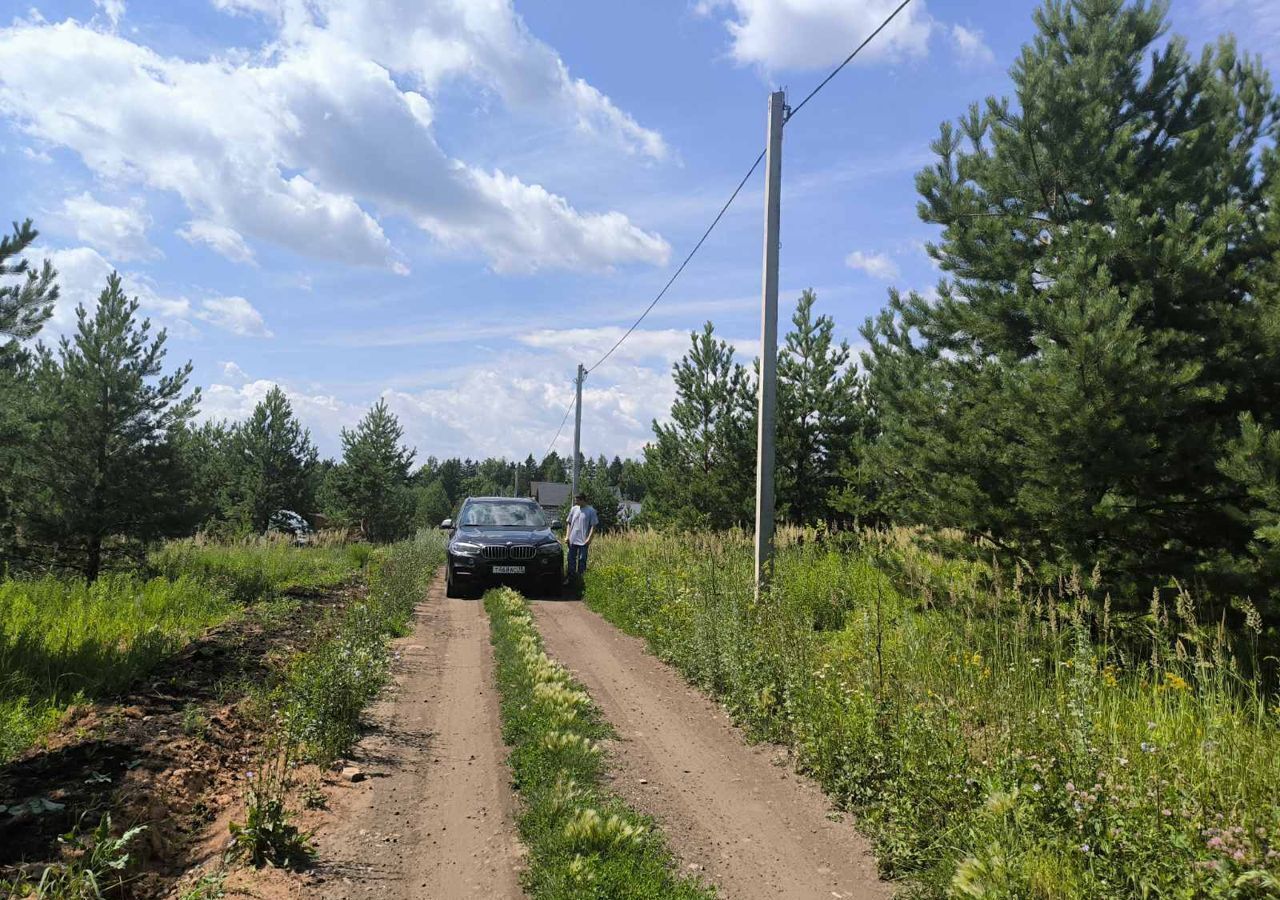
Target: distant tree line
(1096, 381)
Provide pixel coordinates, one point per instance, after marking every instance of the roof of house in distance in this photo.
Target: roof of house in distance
(550, 493)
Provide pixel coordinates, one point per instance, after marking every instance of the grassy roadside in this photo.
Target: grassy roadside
(313, 713)
(245, 708)
(994, 743)
(65, 642)
(583, 842)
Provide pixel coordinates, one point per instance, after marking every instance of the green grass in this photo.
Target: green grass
(61, 641)
(251, 569)
(583, 842)
(994, 742)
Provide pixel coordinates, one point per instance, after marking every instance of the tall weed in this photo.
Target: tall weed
(996, 742)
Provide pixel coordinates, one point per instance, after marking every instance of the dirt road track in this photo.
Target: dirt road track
(434, 818)
(755, 828)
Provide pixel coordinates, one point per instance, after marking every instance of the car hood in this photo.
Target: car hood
(504, 536)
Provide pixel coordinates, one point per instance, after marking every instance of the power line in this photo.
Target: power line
(676, 274)
(848, 59)
(568, 409)
(789, 114)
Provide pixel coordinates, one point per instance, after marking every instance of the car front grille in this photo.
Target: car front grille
(523, 551)
(493, 552)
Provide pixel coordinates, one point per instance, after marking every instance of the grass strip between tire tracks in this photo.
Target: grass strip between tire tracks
(583, 841)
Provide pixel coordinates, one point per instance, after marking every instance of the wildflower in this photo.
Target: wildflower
(1085, 848)
(1174, 681)
(1148, 747)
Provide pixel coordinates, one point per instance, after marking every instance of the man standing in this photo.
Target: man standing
(578, 532)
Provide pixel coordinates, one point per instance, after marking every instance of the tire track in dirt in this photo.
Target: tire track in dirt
(434, 817)
(752, 825)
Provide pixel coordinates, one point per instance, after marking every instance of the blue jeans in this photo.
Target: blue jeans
(577, 559)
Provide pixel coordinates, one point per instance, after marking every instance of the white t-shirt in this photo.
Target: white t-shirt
(581, 521)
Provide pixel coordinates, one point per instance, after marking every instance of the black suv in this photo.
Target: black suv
(499, 540)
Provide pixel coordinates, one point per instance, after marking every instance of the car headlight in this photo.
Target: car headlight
(462, 548)
(549, 549)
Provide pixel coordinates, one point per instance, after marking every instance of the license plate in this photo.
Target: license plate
(508, 570)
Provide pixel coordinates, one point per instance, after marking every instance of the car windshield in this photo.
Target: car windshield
(511, 514)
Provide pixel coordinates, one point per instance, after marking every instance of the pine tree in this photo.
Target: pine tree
(25, 305)
(700, 465)
(554, 468)
(274, 463)
(1071, 387)
(109, 477)
(371, 485)
(528, 473)
(820, 413)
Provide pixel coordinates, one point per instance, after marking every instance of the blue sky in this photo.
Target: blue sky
(449, 204)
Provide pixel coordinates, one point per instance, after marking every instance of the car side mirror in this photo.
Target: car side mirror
(447, 525)
(556, 523)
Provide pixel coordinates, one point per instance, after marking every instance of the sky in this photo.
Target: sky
(449, 204)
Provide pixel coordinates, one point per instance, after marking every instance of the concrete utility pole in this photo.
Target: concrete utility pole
(769, 345)
(515, 480)
(577, 428)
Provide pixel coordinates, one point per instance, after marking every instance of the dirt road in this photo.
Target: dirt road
(755, 828)
(433, 817)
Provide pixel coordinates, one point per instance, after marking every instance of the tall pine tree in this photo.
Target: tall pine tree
(700, 466)
(274, 463)
(371, 485)
(109, 476)
(26, 302)
(1075, 381)
(820, 414)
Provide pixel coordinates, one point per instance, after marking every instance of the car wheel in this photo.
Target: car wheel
(451, 589)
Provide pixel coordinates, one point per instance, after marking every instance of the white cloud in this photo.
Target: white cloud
(118, 231)
(484, 41)
(292, 148)
(114, 9)
(807, 34)
(877, 265)
(654, 346)
(620, 401)
(220, 238)
(1255, 24)
(324, 414)
(970, 46)
(234, 314)
(82, 275)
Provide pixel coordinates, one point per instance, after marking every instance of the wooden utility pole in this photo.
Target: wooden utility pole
(767, 425)
(577, 429)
